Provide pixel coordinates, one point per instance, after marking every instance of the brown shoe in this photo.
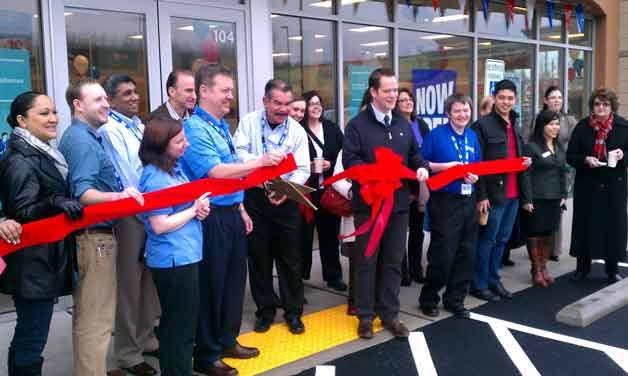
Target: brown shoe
(397, 328)
(217, 368)
(365, 328)
(240, 352)
(142, 369)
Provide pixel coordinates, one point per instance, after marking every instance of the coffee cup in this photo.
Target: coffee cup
(612, 159)
(483, 218)
(318, 165)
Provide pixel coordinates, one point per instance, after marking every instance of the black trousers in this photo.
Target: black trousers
(411, 266)
(327, 227)
(378, 278)
(275, 239)
(454, 231)
(177, 288)
(222, 280)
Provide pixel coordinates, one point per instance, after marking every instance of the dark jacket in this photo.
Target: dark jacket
(491, 132)
(599, 218)
(547, 173)
(159, 112)
(424, 130)
(29, 178)
(332, 144)
(363, 134)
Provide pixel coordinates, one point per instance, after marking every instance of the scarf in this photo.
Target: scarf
(45, 148)
(602, 130)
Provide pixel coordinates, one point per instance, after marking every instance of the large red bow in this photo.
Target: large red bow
(378, 181)
(58, 227)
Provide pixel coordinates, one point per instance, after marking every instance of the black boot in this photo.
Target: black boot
(10, 362)
(33, 369)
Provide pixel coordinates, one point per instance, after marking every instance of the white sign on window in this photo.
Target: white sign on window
(493, 73)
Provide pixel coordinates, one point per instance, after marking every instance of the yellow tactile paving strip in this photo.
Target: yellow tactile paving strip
(323, 330)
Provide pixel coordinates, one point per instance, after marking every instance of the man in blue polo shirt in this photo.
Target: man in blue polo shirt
(222, 272)
(452, 212)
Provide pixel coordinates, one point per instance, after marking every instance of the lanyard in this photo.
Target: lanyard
(134, 130)
(283, 137)
(461, 149)
(221, 130)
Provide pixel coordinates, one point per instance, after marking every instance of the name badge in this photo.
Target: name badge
(466, 189)
(546, 154)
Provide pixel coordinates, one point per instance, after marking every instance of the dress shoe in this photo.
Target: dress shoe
(553, 258)
(508, 262)
(352, 310)
(485, 295)
(217, 368)
(612, 278)
(141, 369)
(501, 291)
(578, 276)
(337, 285)
(365, 329)
(458, 311)
(295, 325)
(396, 327)
(430, 311)
(240, 352)
(262, 324)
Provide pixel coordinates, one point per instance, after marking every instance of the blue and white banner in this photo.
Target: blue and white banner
(431, 88)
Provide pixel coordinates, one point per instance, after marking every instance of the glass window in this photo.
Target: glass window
(312, 7)
(580, 38)
(365, 48)
(578, 82)
(21, 56)
(498, 22)
(550, 69)
(434, 66)
(371, 10)
(304, 56)
(102, 43)
(513, 61)
(196, 42)
(449, 17)
(554, 33)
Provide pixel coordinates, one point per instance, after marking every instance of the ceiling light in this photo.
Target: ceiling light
(574, 36)
(67, 13)
(212, 26)
(374, 44)
(381, 54)
(35, 16)
(282, 54)
(186, 28)
(366, 29)
(274, 16)
(484, 43)
(436, 37)
(138, 36)
(554, 36)
(296, 37)
(319, 50)
(454, 17)
(523, 9)
(447, 48)
(320, 36)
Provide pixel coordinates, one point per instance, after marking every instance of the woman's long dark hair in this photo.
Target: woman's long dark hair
(20, 106)
(542, 119)
(409, 92)
(157, 135)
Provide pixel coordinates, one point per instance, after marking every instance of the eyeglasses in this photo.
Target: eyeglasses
(602, 104)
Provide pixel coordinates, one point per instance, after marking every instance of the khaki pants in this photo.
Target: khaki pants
(94, 303)
(138, 304)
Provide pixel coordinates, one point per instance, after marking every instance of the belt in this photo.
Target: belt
(232, 206)
(97, 230)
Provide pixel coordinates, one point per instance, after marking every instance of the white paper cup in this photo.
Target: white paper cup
(612, 160)
(318, 165)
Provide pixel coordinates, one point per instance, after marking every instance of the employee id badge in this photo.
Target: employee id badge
(466, 189)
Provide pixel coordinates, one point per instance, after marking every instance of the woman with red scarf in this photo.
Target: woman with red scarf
(596, 150)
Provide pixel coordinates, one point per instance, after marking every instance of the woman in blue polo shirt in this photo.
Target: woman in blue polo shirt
(174, 245)
(452, 212)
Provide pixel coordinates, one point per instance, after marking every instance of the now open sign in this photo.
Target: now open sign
(431, 88)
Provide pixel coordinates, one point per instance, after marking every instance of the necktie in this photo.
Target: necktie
(387, 121)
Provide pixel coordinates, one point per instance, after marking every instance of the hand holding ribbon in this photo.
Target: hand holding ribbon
(501, 166)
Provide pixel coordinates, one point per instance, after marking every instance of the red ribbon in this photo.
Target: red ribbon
(55, 228)
(378, 182)
(501, 166)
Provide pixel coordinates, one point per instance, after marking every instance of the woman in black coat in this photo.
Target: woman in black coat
(596, 150)
(33, 176)
(325, 142)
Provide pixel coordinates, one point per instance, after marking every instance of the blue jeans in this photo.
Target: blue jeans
(31, 329)
(491, 243)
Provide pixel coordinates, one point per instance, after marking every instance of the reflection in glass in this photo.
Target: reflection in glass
(578, 82)
(102, 43)
(312, 7)
(304, 56)
(497, 24)
(433, 56)
(554, 33)
(365, 48)
(518, 60)
(550, 69)
(448, 17)
(371, 10)
(197, 42)
(580, 38)
(21, 56)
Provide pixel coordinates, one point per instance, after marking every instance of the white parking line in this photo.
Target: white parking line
(514, 350)
(325, 371)
(421, 355)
